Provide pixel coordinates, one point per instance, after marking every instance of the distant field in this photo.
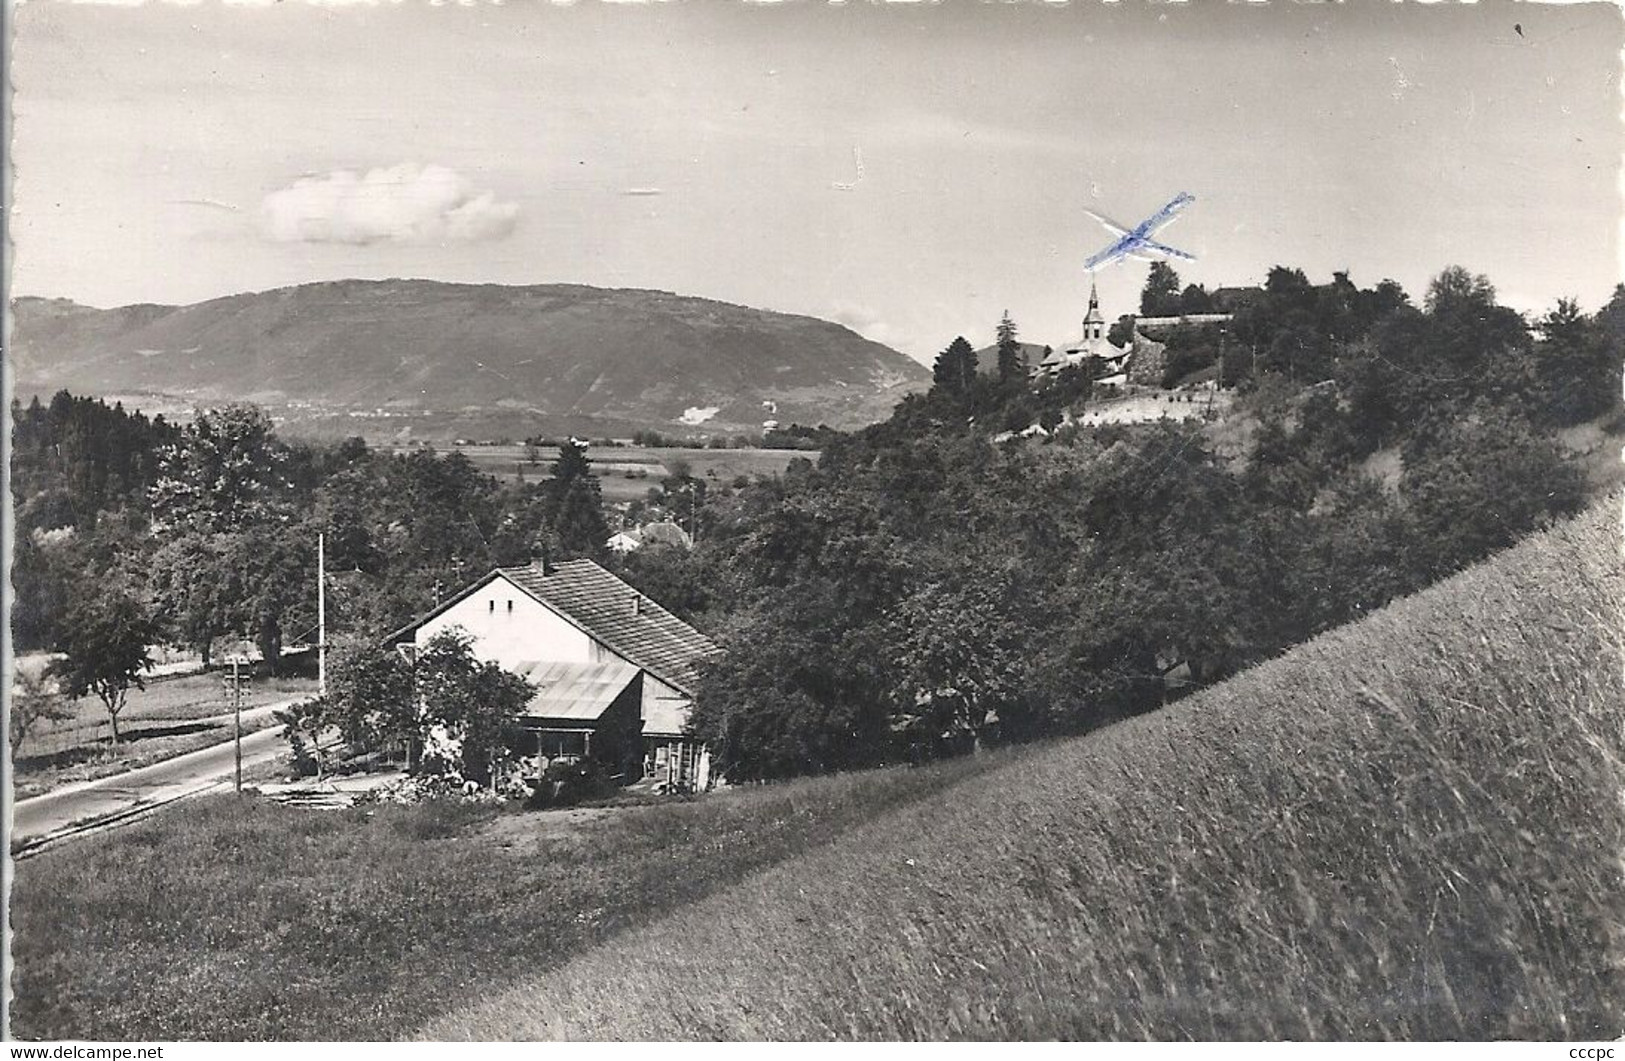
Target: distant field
(171, 716)
(1409, 828)
(628, 472)
(231, 918)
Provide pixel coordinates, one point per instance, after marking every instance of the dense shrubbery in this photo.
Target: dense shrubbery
(925, 580)
(213, 527)
(1408, 829)
(922, 579)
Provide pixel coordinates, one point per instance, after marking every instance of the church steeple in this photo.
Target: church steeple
(1094, 325)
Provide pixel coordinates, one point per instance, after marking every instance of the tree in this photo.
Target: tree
(956, 655)
(234, 558)
(303, 726)
(196, 590)
(221, 474)
(370, 689)
(33, 701)
(797, 691)
(1011, 364)
(1194, 299)
(41, 582)
(1474, 348)
(277, 573)
(473, 704)
(1160, 296)
(1576, 369)
(104, 642)
(1457, 290)
(252, 582)
(577, 520)
(955, 370)
(1483, 482)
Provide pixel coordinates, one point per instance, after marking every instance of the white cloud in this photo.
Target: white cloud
(407, 203)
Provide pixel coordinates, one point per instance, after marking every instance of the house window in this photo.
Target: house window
(491, 606)
(556, 744)
(510, 606)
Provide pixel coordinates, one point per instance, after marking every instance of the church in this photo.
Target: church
(1113, 360)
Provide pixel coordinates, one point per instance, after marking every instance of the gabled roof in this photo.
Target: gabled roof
(607, 610)
(622, 619)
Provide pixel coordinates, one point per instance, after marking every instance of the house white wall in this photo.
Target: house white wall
(510, 627)
(662, 702)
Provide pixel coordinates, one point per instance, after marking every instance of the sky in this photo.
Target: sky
(909, 170)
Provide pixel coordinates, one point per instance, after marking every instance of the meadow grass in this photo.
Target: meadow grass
(1409, 828)
(232, 918)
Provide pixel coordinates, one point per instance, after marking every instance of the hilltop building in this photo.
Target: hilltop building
(1111, 359)
(1140, 362)
(615, 673)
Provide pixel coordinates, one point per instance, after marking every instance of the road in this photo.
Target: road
(88, 805)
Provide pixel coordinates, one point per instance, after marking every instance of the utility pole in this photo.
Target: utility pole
(237, 709)
(321, 614)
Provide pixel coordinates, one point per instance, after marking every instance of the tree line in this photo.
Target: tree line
(132, 532)
(934, 580)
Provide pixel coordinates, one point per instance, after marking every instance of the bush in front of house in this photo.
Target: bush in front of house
(418, 789)
(460, 710)
(566, 783)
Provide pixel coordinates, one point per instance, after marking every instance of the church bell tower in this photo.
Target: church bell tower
(1094, 325)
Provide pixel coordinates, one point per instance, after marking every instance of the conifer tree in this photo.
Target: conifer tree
(577, 519)
(1011, 365)
(955, 370)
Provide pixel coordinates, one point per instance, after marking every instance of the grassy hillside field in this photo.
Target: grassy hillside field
(1409, 828)
(229, 918)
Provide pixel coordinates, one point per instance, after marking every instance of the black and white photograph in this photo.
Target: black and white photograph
(797, 521)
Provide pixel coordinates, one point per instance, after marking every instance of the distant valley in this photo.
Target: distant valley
(407, 359)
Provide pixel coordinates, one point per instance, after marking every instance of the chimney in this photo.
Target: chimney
(637, 604)
(541, 560)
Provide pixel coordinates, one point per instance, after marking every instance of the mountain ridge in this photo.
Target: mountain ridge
(632, 355)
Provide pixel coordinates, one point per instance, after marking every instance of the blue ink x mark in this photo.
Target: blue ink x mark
(1137, 242)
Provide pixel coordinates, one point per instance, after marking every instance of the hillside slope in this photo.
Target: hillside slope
(1408, 828)
(639, 356)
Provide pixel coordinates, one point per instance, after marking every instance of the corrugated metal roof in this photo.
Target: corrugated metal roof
(625, 621)
(581, 692)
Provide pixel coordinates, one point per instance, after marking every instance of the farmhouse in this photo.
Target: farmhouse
(663, 533)
(615, 672)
